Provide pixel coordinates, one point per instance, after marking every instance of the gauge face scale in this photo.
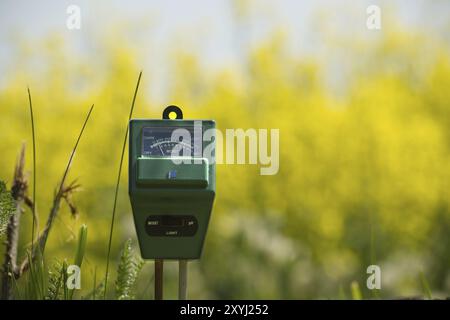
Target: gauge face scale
(158, 142)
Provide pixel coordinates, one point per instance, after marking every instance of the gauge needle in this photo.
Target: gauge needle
(162, 153)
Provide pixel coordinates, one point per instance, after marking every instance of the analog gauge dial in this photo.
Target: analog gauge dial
(157, 141)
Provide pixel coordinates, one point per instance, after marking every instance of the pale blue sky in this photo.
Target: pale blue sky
(206, 27)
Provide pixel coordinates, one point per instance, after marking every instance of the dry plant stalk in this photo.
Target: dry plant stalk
(19, 193)
(63, 192)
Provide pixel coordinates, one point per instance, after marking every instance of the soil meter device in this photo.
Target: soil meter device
(171, 185)
(172, 189)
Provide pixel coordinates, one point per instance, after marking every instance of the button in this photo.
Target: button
(172, 174)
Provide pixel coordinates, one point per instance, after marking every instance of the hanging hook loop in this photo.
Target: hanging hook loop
(172, 109)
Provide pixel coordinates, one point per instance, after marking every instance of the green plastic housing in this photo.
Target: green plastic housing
(154, 193)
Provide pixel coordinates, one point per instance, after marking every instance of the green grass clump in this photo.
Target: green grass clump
(128, 271)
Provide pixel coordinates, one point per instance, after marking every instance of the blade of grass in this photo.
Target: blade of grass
(341, 293)
(117, 185)
(34, 168)
(81, 248)
(356, 291)
(17, 290)
(41, 278)
(96, 291)
(425, 286)
(65, 277)
(95, 283)
(373, 257)
(36, 278)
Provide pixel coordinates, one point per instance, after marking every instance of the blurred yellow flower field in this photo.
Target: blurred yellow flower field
(363, 177)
